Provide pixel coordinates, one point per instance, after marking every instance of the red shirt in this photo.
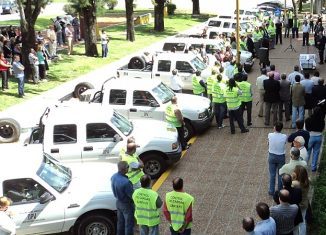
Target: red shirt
(3, 68)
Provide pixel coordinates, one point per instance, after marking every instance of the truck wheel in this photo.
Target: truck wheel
(95, 224)
(154, 164)
(188, 130)
(9, 130)
(81, 87)
(136, 63)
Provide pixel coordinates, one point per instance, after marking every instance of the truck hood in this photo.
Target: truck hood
(146, 131)
(192, 103)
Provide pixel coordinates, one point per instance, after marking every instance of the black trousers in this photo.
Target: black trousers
(295, 33)
(181, 136)
(321, 55)
(236, 115)
(278, 36)
(41, 70)
(4, 76)
(305, 38)
(248, 106)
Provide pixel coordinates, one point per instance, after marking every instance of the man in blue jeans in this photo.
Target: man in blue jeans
(276, 156)
(298, 101)
(123, 190)
(18, 69)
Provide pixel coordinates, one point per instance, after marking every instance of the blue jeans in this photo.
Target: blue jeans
(20, 85)
(275, 162)
(59, 38)
(186, 232)
(104, 50)
(125, 213)
(314, 146)
(146, 230)
(295, 111)
(219, 109)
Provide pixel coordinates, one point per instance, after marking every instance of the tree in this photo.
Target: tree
(130, 20)
(29, 11)
(87, 11)
(159, 15)
(195, 7)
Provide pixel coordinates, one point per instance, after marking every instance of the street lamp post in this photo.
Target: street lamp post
(238, 31)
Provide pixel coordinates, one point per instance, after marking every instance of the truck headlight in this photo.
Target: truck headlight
(202, 115)
(175, 145)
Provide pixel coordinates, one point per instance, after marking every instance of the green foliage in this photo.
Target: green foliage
(112, 4)
(171, 8)
(70, 9)
(319, 198)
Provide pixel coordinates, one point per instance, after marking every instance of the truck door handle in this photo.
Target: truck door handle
(157, 75)
(88, 148)
(133, 110)
(54, 150)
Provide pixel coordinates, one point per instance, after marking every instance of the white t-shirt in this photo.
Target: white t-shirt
(7, 225)
(303, 153)
(176, 83)
(276, 143)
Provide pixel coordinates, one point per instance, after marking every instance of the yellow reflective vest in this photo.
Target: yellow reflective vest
(210, 81)
(134, 175)
(232, 98)
(196, 87)
(146, 212)
(218, 92)
(246, 94)
(170, 116)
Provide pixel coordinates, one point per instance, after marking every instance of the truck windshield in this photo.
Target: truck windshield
(55, 174)
(163, 93)
(199, 65)
(122, 123)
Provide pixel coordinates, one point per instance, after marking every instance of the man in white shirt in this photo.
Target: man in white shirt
(176, 83)
(292, 75)
(299, 143)
(69, 36)
(52, 39)
(305, 33)
(260, 86)
(104, 43)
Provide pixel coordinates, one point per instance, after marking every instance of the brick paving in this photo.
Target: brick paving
(227, 174)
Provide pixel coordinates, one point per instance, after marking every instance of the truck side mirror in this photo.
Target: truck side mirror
(117, 138)
(153, 103)
(46, 197)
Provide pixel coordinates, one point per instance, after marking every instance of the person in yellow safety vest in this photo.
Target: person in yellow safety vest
(272, 32)
(209, 82)
(147, 203)
(233, 103)
(243, 43)
(198, 85)
(174, 116)
(177, 209)
(246, 97)
(257, 38)
(225, 79)
(219, 100)
(123, 150)
(216, 66)
(135, 171)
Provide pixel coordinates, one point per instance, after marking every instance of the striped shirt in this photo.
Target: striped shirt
(284, 215)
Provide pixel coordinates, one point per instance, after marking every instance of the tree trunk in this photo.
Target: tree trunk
(28, 15)
(89, 15)
(195, 7)
(130, 20)
(300, 5)
(159, 16)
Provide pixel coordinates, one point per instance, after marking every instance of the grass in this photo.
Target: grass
(319, 198)
(77, 64)
(60, 1)
(41, 22)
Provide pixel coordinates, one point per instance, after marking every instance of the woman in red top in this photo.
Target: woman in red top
(4, 66)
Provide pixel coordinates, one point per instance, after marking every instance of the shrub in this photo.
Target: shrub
(171, 8)
(112, 4)
(70, 9)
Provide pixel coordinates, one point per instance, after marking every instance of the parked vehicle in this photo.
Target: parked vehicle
(163, 64)
(50, 197)
(148, 99)
(8, 6)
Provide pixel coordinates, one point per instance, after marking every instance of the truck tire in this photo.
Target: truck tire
(154, 164)
(96, 224)
(188, 130)
(9, 130)
(136, 62)
(81, 87)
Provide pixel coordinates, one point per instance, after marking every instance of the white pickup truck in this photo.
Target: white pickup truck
(49, 197)
(163, 64)
(82, 132)
(148, 99)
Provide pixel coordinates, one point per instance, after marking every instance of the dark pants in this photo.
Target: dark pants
(219, 109)
(186, 232)
(287, 32)
(125, 214)
(248, 106)
(181, 137)
(236, 115)
(305, 37)
(295, 33)
(321, 55)
(4, 76)
(268, 108)
(286, 105)
(104, 50)
(41, 70)
(278, 36)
